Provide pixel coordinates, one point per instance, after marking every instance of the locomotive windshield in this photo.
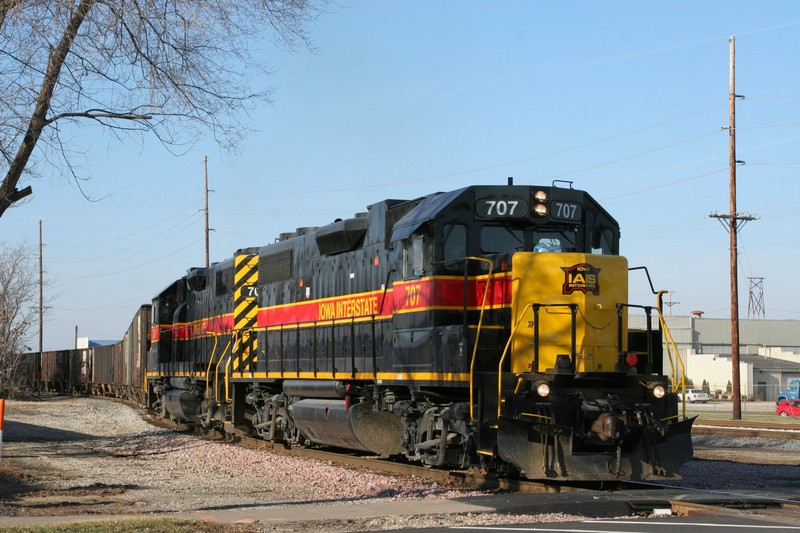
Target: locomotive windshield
(524, 219)
(500, 239)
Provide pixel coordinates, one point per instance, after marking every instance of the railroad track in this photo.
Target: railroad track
(781, 512)
(473, 478)
(482, 480)
(469, 478)
(738, 428)
(652, 498)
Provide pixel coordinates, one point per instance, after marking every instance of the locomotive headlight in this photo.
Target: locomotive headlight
(542, 389)
(657, 391)
(540, 209)
(540, 203)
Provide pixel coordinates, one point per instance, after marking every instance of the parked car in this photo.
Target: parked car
(695, 395)
(788, 408)
(790, 392)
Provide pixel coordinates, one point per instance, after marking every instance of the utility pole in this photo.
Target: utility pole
(670, 303)
(205, 191)
(41, 291)
(732, 222)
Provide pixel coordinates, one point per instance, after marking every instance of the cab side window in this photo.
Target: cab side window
(414, 257)
(454, 246)
(602, 241)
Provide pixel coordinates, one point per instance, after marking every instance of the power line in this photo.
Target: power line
(671, 302)
(494, 166)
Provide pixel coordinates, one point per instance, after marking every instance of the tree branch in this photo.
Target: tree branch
(99, 114)
(38, 121)
(175, 69)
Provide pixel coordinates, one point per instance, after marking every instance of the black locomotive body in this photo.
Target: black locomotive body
(482, 327)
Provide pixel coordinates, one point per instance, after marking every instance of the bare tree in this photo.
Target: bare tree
(18, 313)
(172, 68)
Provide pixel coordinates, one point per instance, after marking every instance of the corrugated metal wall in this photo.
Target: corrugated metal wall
(752, 332)
(713, 335)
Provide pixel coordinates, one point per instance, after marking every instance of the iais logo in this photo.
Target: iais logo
(582, 277)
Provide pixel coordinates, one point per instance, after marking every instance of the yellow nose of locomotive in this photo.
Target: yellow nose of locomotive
(565, 304)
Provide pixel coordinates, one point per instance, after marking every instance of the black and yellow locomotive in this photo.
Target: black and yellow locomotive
(482, 327)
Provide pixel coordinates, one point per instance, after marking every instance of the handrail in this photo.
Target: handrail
(676, 383)
(573, 346)
(503, 357)
(216, 370)
(210, 361)
(535, 307)
(477, 333)
(227, 376)
(237, 336)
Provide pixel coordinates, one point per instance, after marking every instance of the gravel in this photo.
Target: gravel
(71, 456)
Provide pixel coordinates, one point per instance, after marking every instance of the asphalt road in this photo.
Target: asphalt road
(710, 524)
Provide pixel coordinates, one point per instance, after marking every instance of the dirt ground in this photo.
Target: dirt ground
(85, 455)
(68, 456)
(75, 456)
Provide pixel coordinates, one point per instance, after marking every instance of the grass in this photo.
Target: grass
(149, 525)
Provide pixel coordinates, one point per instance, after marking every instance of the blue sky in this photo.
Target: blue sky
(628, 100)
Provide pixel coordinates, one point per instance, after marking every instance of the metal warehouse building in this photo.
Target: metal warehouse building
(769, 352)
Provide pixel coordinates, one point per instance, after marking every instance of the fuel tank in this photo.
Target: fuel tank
(333, 423)
(183, 405)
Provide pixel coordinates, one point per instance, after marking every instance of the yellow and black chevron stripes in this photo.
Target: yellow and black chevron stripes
(245, 309)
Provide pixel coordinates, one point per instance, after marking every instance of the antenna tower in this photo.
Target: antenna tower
(755, 306)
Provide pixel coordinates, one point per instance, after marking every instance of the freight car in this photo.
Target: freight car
(115, 370)
(482, 327)
(65, 371)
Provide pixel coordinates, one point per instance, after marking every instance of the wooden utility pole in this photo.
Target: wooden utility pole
(731, 222)
(205, 191)
(41, 291)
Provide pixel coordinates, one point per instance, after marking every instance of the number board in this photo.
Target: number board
(248, 291)
(567, 211)
(501, 208)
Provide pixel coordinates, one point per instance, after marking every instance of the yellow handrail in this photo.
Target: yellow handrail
(677, 382)
(227, 376)
(236, 336)
(477, 336)
(503, 357)
(216, 370)
(210, 362)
